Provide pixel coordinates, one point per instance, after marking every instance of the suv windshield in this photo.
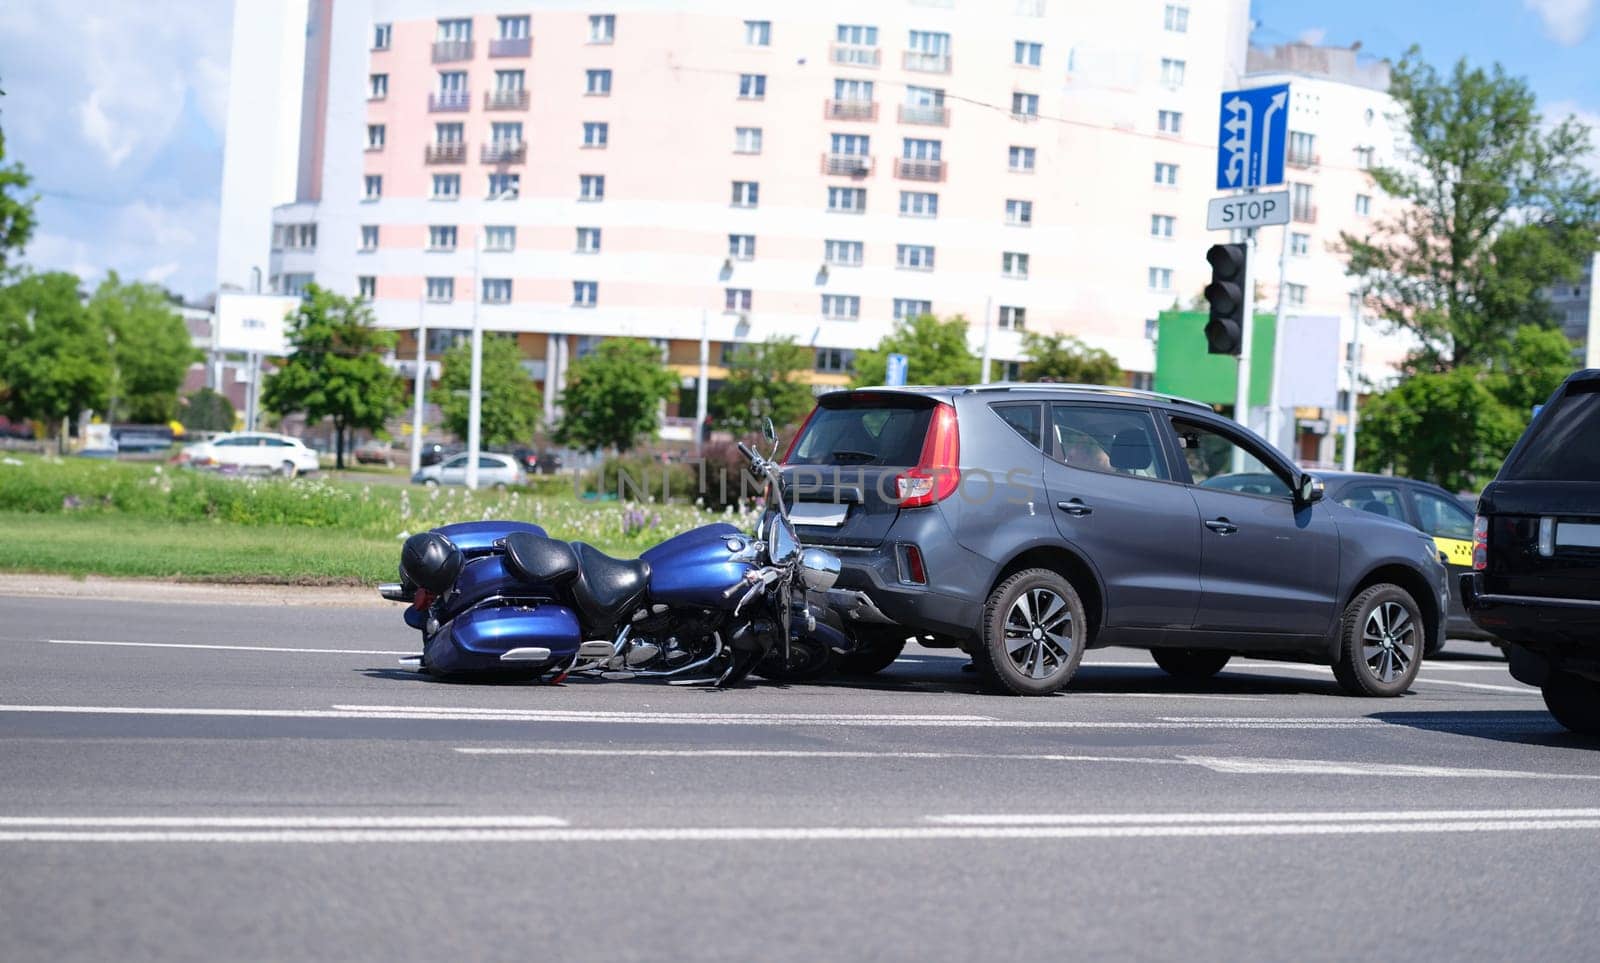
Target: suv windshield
(870, 432)
(1562, 443)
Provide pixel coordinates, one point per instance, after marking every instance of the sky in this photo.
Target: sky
(117, 107)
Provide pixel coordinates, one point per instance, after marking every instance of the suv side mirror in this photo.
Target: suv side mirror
(1308, 490)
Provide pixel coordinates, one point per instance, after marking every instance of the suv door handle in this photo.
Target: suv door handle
(1222, 526)
(1074, 506)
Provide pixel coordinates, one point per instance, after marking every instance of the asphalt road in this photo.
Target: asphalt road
(250, 782)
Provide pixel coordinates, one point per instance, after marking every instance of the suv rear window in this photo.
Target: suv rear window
(1564, 441)
(875, 431)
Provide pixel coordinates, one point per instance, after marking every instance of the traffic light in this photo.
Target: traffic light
(1227, 296)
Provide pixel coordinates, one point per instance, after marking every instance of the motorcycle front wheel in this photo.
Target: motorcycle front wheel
(807, 660)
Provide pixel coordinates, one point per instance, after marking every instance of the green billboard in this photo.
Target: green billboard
(1183, 367)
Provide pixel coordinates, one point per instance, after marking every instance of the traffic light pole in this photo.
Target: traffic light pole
(1241, 395)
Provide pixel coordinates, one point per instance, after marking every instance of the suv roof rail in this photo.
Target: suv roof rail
(1094, 389)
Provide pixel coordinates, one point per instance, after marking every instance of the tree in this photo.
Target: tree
(1445, 427)
(336, 369)
(1495, 206)
(936, 354)
(763, 382)
(1064, 358)
(613, 395)
(150, 350)
(510, 408)
(54, 362)
(207, 410)
(1532, 366)
(17, 219)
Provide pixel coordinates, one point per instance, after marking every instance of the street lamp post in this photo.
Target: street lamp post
(475, 391)
(419, 389)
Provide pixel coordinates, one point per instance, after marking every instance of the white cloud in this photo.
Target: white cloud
(1313, 36)
(161, 272)
(1567, 22)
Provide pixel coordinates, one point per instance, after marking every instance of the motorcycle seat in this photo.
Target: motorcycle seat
(540, 560)
(607, 588)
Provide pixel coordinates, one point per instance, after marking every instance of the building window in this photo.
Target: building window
(1166, 174)
(377, 86)
(449, 134)
(446, 187)
(591, 187)
(931, 51)
(834, 360)
(1160, 279)
(758, 33)
(374, 186)
(597, 83)
(1169, 121)
(851, 145)
(441, 237)
(1026, 54)
(856, 35)
(1300, 244)
(297, 237)
(441, 290)
(513, 28)
(747, 140)
(1024, 105)
(918, 204)
(588, 240)
(376, 135)
(746, 193)
(852, 91)
(500, 237)
(382, 35)
(752, 86)
(506, 135)
(742, 247)
(1300, 206)
(1363, 205)
(843, 253)
(602, 28)
(1295, 293)
(595, 133)
(907, 308)
(504, 187)
(1019, 213)
(1172, 72)
(1013, 318)
(914, 257)
(1013, 265)
(1302, 149)
(294, 284)
(585, 293)
(496, 290)
(1022, 158)
(1364, 158)
(369, 237)
(1030, 8)
(735, 299)
(459, 31)
(851, 200)
(366, 287)
(1161, 225)
(1176, 19)
(841, 307)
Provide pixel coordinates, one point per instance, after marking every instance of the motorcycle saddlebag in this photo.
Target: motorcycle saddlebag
(474, 641)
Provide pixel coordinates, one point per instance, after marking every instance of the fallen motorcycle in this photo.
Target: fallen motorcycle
(502, 599)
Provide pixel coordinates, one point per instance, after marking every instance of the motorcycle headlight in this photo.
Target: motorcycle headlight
(819, 569)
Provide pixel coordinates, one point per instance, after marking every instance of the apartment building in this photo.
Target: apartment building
(1577, 311)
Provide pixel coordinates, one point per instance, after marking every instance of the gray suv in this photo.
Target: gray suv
(1027, 523)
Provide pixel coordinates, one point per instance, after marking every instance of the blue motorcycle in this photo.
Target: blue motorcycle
(504, 600)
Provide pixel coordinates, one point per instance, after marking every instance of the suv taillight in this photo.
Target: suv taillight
(1480, 543)
(938, 472)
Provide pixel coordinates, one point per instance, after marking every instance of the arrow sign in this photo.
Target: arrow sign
(1251, 137)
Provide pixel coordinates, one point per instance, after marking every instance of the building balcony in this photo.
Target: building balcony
(453, 152)
(913, 169)
(1294, 159)
(505, 100)
(935, 114)
(505, 152)
(511, 47)
(928, 63)
(449, 100)
(450, 51)
(1304, 213)
(847, 165)
(851, 110)
(855, 55)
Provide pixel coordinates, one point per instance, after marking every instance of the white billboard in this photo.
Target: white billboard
(253, 322)
(1310, 356)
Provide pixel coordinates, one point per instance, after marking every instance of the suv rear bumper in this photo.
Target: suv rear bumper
(1529, 619)
(918, 608)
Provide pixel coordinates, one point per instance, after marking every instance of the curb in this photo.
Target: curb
(101, 588)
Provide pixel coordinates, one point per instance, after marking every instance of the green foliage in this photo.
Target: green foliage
(54, 362)
(763, 382)
(1496, 205)
(936, 354)
(17, 219)
(1531, 367)
(150, 349)
(336, 369)
(207, 410)
(1064, 358)
(511, 406)
(612, 396)
(643, 477)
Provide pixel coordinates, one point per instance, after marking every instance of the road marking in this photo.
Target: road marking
(1263, 818)
(232, 648)
(287, 822)
(1238, 664)
(1525, 690)
(1325, 767)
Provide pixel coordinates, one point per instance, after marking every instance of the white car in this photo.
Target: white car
(493, 470)
(256, 451)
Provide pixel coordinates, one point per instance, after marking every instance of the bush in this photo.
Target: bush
(644, 478)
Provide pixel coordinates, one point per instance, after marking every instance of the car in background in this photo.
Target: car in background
(1422, 506)
(494, 470)
(434, 452)
(140, 439)
(375, 451)
(1535, 579)
(253, 451)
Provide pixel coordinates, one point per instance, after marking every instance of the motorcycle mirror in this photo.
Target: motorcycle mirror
(768, 432)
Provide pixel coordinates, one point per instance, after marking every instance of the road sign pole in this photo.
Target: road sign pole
(1241, 396)
(1274, 402)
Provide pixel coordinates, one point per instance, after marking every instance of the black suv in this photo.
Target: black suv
(1026, 523)
(1536, 554)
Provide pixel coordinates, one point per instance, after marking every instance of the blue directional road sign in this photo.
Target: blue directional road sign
(1253, 137)
(896, 373)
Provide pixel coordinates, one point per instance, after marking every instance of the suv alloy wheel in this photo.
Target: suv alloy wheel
(1034, 632)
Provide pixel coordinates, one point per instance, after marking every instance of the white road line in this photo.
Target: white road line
(1303, 667)
(1205, 818)
(1327, 767)
(603, 714)
(232, 648)
(286, 822)
(1525, 690)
